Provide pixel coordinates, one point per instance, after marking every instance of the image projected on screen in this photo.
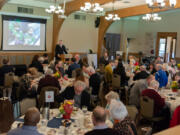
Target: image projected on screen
(24, 33)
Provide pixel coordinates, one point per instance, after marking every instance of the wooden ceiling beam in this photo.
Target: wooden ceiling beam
(70, 8)
(126, 12)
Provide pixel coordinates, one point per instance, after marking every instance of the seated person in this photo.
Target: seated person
(104, 59)
(152, 69)
(76, 93)
(78, 60)
(100, 127)
(72, 67)
(58, 67)
(48, 80)
(152, 93)
(136, 90)
(31, 119)
(123, 124)
(6, 68)
(37, 64)
(94, 81)
(80, 76)
(46, 59)
(142, 74)
(161, 76)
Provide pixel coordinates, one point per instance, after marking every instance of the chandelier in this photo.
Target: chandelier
(90, 7)
(152, 17)
(161, 3)
(111, 16)
(55, 8)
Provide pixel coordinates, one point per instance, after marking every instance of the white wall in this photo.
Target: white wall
(79, 35)
(144, 33)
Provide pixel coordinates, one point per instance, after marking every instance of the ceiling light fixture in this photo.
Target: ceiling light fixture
(112, 16)
(55, 8)
(152, 17)
(161, 3)
(90, 7)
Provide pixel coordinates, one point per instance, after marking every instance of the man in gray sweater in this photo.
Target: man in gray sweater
(136, 90)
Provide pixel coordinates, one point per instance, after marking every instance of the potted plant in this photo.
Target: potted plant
(66, 109)
(174, 86)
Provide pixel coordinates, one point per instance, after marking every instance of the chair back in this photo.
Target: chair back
(41, 99)
(9, 80)
(6, 115)
(74, 74)
(146, 107)
(27, 103)
(116, 81)
(101, 68)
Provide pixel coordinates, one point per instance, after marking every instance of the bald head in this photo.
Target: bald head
(32, 117)
(99, 115)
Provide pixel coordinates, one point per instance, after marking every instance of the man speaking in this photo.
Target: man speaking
(60, 49)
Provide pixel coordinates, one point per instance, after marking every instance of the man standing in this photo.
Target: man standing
(31, 119)
(60, 49)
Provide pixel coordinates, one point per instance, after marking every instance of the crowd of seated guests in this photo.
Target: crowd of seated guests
(146, 83)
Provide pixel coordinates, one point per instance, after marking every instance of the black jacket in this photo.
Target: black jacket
(68, 94)
(94, 82)
(107, 131)
(60, 50)
(4, 70)
(141, 75)
(37, 65)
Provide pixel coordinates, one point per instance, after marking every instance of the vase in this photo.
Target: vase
(67, 116)
(174, 90)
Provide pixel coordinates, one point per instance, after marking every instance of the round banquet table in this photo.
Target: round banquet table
(80, 123)
(172, 99)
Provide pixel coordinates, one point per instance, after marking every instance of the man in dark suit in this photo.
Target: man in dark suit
(100, 127)
(77, 93)
(60, 49)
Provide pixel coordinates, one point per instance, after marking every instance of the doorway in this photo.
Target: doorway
(166, 45)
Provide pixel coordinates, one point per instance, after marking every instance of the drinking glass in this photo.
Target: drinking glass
(84, 109)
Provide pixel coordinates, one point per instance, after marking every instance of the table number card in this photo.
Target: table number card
(49, 96)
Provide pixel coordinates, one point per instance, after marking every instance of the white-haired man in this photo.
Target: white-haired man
(123, 124)
(76, 93)
(94, 80)
(152, 93)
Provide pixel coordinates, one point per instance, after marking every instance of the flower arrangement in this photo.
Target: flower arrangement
(174, 86)
(57, 74)
(66, 109)
(136, 68)
(178, 65)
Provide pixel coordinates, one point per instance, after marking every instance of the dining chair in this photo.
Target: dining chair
(27, 103)
(41, 99)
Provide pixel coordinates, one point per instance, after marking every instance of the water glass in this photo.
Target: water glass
(43, 124)
(84, 109)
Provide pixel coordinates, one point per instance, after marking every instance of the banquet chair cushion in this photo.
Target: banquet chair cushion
(27, 103)
(41, 99)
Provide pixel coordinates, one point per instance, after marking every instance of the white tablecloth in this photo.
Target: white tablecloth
(171, 98)
(82, 124)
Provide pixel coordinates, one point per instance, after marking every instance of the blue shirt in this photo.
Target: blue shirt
(162, 78)
(24, 130)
